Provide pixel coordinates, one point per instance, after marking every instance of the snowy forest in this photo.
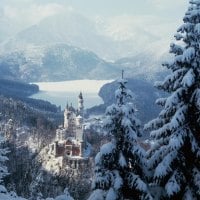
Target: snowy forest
(126, 148)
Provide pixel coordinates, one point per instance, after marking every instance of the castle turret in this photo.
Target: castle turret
(66, 116)
(70, 120)
(80, 105)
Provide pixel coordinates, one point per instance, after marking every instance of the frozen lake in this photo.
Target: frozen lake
(60, 93)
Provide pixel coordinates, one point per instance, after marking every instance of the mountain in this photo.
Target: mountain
(70, 46)
(17, 91)
(60, 62)
(109, 39)
(57, 62)
(16, 88)
(144, 66)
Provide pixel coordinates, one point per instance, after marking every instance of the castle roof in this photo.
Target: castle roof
(70, 108)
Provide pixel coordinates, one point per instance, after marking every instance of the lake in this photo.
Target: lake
(61, 93)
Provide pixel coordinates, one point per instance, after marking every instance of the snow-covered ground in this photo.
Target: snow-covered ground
(60, 93)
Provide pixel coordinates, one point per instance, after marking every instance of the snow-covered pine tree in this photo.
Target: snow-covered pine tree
(65, 196)
(3, 168)
(3, 159)
(4, 194)
(175, 155)
(120, 164)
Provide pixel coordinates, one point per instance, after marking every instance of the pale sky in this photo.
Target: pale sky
(31, 11)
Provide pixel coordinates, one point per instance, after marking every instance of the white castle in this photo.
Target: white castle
(70, 138)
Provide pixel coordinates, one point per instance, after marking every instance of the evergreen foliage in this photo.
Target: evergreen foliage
(175, 155)
(3, 159)
(120, 164)
(65, 196)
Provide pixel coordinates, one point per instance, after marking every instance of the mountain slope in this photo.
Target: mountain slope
(60, 62)
(144, 93)
(55, 63)
(109, 39)
(47, 50)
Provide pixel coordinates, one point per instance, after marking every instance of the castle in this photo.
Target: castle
(70, 139)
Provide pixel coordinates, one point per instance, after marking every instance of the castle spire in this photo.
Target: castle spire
(80, 104)
(67, 106)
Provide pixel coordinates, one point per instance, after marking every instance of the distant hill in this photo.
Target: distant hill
(144, 93)
(17, 88)
(60, 62)
(69, 46)
(144, 66)
(55, 63)
(14, 93)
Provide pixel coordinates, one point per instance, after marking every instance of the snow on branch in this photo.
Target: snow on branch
(164, 167)
(188, 55)
(188, 79)
(172, 185)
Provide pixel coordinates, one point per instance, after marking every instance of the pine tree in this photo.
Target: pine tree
(119, 166)
(3, 159)
(65, 196)
(4, 194)
(175, 155)
(3, 168)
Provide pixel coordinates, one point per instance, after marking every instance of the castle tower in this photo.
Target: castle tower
(66, 116)
(70, 120)
(80, 135)
(60, 134)
(80, 104)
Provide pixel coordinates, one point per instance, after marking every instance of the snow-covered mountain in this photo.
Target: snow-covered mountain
(109, 39)
(60, 62)
(146, 64)
(70, 46)
(55, 63)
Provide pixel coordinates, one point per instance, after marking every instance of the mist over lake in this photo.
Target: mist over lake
(61, 93)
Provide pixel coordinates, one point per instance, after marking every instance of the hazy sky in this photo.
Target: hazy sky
(31, 11)
(132, 7)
